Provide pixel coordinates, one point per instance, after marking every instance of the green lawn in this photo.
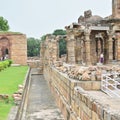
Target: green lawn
(10, 78)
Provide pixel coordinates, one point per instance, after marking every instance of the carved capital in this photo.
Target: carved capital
(87, 32)
(87, 35)
(110, 32)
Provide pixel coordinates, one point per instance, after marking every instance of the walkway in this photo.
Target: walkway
(41, 104)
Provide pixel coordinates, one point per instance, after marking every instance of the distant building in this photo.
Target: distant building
(13, 46)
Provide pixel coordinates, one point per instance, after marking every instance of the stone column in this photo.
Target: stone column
(110, 48)
(71, 49)
(118, 46)
(54, 49)
(78, 50)
(57, 47)
(87, 44)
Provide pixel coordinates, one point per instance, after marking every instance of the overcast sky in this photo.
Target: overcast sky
(38, 17)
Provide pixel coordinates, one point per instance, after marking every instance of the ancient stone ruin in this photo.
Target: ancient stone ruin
(77, 82)
(13, 46)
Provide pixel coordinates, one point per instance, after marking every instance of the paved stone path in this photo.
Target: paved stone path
(41, 104)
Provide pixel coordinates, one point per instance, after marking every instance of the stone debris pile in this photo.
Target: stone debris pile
(85, 73)
(17, 96)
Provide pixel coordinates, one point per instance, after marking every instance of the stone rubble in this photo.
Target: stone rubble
(17, 96)
(85, 73)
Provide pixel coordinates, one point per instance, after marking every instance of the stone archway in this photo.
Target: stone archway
(99, 47)
(4, 48)
(99, 44)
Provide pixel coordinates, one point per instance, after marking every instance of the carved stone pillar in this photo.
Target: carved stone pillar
(71, 50)
(118, 45)
(57, 47)
(87, 44)
(115, 8)
(78, 50)
(54, 49)
(110, 48)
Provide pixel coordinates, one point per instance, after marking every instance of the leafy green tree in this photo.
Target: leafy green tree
(33, 47)
(59, 32)
(43, 38)
(62, 47)
(3, 24)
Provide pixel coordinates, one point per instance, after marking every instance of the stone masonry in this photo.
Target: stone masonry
(76, 82)
(14, 46)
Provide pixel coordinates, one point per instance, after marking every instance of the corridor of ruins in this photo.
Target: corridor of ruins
(84, 82)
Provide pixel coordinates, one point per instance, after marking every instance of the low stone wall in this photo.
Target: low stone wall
(80, 100)
(33, 63)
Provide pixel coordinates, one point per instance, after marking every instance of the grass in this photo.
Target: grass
(10, 78)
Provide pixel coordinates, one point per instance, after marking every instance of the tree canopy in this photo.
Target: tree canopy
(59, 32)
(33, 47)
(3, 24)
(43, 37)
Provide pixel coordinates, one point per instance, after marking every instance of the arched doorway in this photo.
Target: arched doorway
(4, 48)
(99, 47)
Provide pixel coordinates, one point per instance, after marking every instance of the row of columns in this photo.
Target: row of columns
(71, 47)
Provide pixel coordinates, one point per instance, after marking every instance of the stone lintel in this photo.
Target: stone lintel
(101, 28)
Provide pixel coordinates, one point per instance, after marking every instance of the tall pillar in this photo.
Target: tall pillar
(57, 47)
(110, 48)
(71, 49)
(116, 8)
(54, 49)
(118, 46)
(87, 44)
(78, 50)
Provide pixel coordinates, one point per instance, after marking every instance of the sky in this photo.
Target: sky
(39, 17)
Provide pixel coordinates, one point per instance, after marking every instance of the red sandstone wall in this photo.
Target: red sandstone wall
(18, 47)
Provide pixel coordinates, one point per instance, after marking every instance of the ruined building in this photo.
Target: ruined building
(14, 47)
(93, 35)
(83, 91)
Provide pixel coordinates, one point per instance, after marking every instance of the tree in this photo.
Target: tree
(33, 47)
(59, 32)
(43, 38)
(3, 24)
(62, 47)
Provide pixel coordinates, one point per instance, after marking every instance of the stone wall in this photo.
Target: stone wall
(78, 101)
(17, 47)
(116, 8)
(77, 88)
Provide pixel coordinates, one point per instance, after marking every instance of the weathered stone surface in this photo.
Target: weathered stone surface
(16, 45)
(76, 84)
